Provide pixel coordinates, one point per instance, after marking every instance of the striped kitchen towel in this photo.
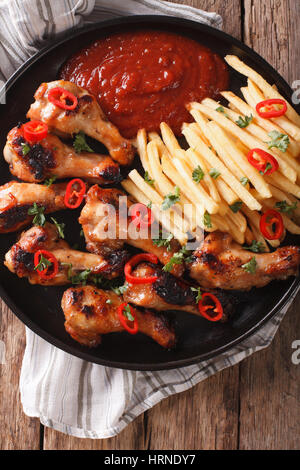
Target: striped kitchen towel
(66, 393)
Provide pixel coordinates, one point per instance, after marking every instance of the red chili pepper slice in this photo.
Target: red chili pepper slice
(215, 308)
(44, 273)
(124, 320)
(133, 262)
(34, 131)
(141, 215)
(12, 203)
(260, 159)
(72, 194)
(268, 220)
(270, 111)
(62, 98)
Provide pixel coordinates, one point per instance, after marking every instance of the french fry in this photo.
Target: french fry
(169, 138)
(282, 121)
(281, 182)
(235, 229)
(156, 198)
(265, 87)
(234, 184)
(288, 223)
(165, 219)
(141, 141)
(163, 184)
(246, 138)
(258, 237)
(249, 237)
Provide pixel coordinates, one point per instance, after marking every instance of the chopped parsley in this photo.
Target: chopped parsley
(214, 173)
(250, 267)
(25, 148)
(121, 289)
(177, 258)
(38, 212)
(285, 208)
(244, 181)
(148, 179)
(207, 220)
(241, 122)
(149, 205)
(198, 174)
(255, 247)
(44, 263)
(199, 293)
(280, 141)
(236, 207)
(80, 144)
(49, 181)
(220, 109)
(164, 241)
(171, 199)
(80, 278)
(108, 301)
(127, 313)
(268, 167)
(60, 227)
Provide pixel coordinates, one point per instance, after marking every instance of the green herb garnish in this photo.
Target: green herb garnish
(25, 148)
(250, 267)
(164, 241)
(121, 289)
(214, 173)
(199, 293)
(148, 179)
(171, 199)
(80, 144)
(244, 181)
(241, 122)
(127, 313)
(38, 212)
(44, 263)
(236, 207)
(198, 174)
(207, 220)
(286, 208)
(268, 167)
(49, 181)
(255, 247)
(280, 141)
(60, 227)
(177, 258)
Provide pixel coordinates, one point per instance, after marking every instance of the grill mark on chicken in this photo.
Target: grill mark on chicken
(85, 99)
(88, 316)
(38, 159)
(13, 216)
(172, 290)
(111, 173)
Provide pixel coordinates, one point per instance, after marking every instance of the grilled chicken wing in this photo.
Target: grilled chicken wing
(34, 163)
(89, 315)
(218, 263)
(87, 117)
(171, 293)
(17, 198)
(20, 258)
(103, 203)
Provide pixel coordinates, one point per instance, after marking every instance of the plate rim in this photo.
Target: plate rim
(168, 364)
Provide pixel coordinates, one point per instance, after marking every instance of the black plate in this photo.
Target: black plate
(39, 307)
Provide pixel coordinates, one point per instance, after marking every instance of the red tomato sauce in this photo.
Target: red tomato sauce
(141, 79)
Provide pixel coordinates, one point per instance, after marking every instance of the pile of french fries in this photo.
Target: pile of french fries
(219, 147)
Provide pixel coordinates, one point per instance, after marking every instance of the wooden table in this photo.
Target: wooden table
(250, 406)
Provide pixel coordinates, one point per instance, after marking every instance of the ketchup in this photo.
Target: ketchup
(143, 78)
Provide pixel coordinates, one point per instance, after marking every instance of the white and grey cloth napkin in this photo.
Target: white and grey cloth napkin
(68, 394)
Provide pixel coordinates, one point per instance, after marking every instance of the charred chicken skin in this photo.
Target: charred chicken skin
(170, 293)
(51, 157)
(91, 313)
(20, 258)
(103, 203)
(17, 198)
(87, 117)
(220, 263)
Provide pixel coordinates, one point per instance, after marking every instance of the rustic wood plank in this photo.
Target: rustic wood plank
(132, 438)
(269, 416)
(205, 417)
(17, 431)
